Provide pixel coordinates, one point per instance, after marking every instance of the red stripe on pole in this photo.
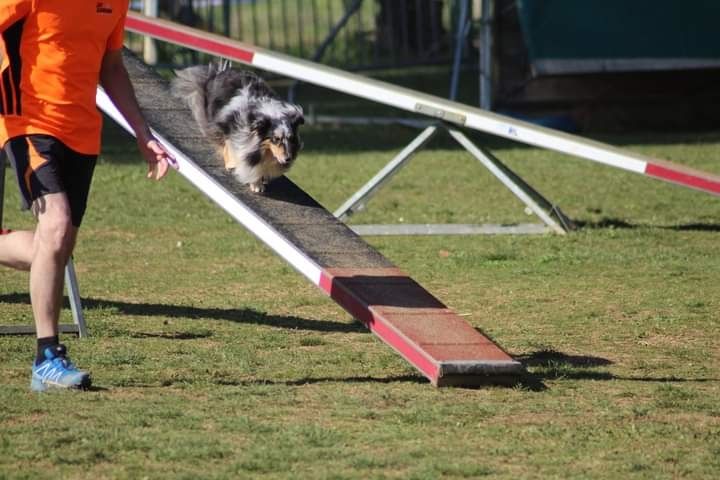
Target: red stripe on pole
(209, 45)
(688, 178)
(325, 283)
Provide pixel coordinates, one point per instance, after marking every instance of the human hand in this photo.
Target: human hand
(157, 157)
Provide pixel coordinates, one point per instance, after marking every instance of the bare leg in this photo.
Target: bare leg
(52, 246)
(16, 249)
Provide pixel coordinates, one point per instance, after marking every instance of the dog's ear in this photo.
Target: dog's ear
(258, 123)
(298, 120)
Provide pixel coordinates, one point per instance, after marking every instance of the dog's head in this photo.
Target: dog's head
(276, 124)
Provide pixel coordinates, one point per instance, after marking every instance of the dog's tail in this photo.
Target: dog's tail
(191, 85)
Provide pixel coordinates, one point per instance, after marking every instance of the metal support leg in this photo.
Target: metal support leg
(486, 54)
(74, 297)
(70, 283)
(528, 195)
(463, 29)
(357, 202)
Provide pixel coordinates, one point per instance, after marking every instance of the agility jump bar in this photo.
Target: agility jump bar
(418, 102)
(443, 346)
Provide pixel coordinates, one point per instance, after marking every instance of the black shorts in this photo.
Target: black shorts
(43, 164)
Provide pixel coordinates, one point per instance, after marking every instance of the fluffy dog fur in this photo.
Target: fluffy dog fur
(255, 130)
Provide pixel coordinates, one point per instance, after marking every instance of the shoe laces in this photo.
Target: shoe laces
(59, 357)
(63, 362)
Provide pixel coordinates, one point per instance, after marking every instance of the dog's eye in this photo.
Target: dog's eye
(276, 140)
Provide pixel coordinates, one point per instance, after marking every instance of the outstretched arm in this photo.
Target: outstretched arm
(114, 79)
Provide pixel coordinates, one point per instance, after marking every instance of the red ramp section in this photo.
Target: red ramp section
(434, 339)
(439, 343)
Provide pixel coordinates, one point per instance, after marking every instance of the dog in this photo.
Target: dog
(256, 131)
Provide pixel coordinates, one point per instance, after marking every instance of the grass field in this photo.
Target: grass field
(213, 359)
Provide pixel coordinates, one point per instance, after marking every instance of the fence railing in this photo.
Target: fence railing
(350, 34)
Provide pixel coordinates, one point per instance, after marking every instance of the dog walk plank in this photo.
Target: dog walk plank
(438, 342)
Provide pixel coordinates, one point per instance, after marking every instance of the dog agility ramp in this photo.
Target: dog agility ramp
(439, 343)
(429, 105)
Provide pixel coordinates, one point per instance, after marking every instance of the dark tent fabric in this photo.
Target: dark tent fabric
(590, 36)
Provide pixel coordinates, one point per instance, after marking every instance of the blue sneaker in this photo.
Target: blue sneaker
(57, 371)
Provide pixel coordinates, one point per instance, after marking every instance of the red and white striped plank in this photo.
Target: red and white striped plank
(413, 101)
(439, 343)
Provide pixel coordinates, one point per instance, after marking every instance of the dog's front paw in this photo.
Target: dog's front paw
(257, 187)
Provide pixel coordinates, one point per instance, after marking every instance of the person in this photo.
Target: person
(55, 53)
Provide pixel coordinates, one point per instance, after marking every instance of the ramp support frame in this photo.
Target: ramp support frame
(549, 213)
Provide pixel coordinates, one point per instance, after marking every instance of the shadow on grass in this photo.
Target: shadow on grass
(95, 388)
(545, 364)
(310, 381)
(172, 335)
(545, 358)
(696, 227)
(554, 365)
(238, 315)
(610, 223)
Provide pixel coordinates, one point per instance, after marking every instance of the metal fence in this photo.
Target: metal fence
(350, 34)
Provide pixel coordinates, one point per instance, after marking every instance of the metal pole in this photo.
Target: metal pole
(150, 51)
(270, 29)
(463, 26)
(486, 57)
(226, 17)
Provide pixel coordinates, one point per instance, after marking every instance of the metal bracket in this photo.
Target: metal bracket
(440, 114)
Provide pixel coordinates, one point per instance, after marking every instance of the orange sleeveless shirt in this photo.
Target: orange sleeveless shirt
(52, 54)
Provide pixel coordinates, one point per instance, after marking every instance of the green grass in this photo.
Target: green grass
(214, 359)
